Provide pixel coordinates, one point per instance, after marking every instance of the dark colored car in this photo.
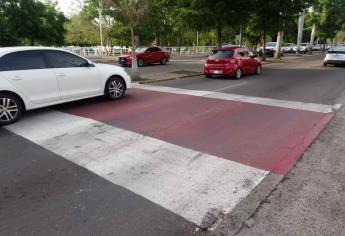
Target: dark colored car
(232, 61)
(146, 55)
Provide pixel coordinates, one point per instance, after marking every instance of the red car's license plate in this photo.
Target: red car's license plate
(217, 71)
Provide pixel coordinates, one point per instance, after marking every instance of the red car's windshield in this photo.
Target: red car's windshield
(221, 54)
(141, 50)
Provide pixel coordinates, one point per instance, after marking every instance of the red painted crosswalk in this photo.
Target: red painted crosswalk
(265, 137)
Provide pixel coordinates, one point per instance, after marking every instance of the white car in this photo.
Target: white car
(34, 77)
(288, 47)
(303, 49)
(335, 56)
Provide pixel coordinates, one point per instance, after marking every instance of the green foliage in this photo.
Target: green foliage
(332, 17)
(167, 22)
(30, 22)
(80, 31)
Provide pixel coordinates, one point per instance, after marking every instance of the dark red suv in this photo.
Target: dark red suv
(146, 55)
(232, 61)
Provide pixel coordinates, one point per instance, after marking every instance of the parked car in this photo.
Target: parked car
(270, 49)
(317, 47)
(288, 47)
(146, 55)
(34, 77)
(303, 49)
(232, 61)
(335, 56)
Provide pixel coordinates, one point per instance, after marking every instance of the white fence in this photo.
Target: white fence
(115, 51)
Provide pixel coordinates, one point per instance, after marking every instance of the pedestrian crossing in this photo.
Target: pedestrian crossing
(184, 150)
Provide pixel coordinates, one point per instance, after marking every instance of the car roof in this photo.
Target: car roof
(6, 50)
(227, 48)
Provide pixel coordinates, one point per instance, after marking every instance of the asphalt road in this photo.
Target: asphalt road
(303, 79)
(176, 63)
(44, 192)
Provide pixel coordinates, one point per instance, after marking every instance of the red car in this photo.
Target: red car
(146, 55)
(232, 61)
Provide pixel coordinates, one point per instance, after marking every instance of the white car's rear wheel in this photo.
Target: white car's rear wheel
(11, 109)
(115, 88)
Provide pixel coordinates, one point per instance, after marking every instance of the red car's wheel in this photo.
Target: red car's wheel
(140, 62)
(258, 70)
(163, 61)
(238, 73)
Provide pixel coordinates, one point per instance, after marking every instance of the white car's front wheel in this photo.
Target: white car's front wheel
(115, 88)
(11, 109)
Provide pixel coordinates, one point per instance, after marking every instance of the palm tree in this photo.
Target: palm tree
(131, 13)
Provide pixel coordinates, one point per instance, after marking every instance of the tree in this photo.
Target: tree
(332, 18)
(30, 22)
(81, 31)
(215, 15)
(131, 13)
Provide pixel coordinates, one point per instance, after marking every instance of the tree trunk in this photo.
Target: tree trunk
(312, 38)
(264, 47)
(300, 32)
(135, 74)
(277, 54)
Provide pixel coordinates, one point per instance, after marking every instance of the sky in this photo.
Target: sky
(69, 6)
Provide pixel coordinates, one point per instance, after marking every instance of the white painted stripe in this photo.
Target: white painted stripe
(190, 60)
(184, 181)
(242, 98)
(230, 86)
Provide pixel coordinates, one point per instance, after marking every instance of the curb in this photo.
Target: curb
(151, 81)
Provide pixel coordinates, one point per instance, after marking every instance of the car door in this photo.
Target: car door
(75, 76)
(243, 58)
(149, 55)
(29, 72)
(252, 62)
(157, 55)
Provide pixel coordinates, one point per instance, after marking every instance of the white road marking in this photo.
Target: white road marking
(230, 86)
(314, 107)
(184, 181)
(190, 60)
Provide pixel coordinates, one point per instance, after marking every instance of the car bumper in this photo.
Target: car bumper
(335, 62)
(221, 71)
(125, 61)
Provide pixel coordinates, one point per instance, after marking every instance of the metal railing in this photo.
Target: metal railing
(115, 51)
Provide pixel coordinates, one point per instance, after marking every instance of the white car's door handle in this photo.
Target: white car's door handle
(61, 74)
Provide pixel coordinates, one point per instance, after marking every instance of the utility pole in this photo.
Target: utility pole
(300, 31)
(240, 36)
(100, 21)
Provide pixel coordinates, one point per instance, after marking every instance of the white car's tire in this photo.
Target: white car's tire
(11, 109)
(115, 88)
